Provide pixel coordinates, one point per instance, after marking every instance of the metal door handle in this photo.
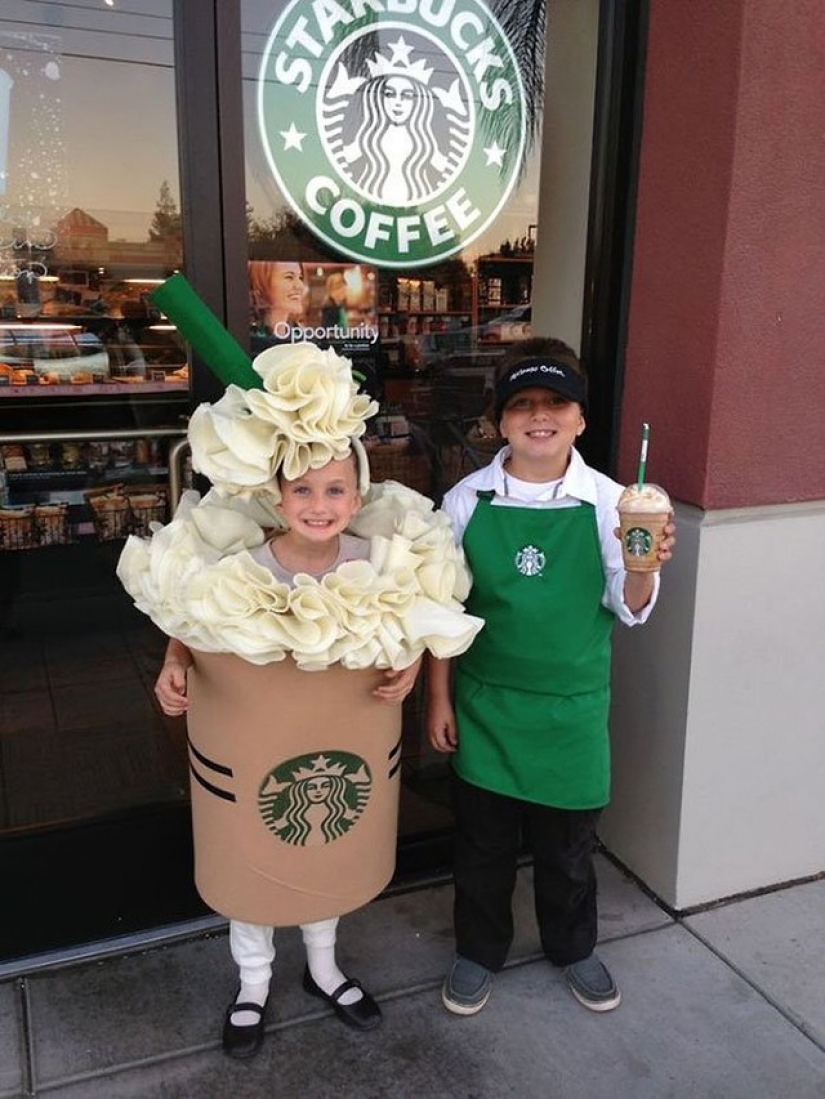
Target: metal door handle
(177, 455)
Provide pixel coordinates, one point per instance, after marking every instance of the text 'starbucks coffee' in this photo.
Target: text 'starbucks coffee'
(395, 128)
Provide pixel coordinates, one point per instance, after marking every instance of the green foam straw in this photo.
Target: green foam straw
(205, 334)
(640, 479)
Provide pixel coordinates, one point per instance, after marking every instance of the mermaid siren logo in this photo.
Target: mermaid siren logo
(314, 799)
(394, 128)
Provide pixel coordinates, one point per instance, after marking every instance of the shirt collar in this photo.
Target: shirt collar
(578, 481)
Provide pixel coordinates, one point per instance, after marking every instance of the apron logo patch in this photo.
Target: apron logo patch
(313, 799)
(530, 561)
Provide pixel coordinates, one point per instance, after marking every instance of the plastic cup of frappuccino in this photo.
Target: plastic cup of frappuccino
(644, 511)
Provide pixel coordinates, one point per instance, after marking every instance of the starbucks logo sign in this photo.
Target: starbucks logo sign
(312, 800)
(394, 128)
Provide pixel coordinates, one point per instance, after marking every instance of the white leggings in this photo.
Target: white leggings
(253, 946)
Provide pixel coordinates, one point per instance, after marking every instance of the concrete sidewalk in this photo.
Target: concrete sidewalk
(728, 1003)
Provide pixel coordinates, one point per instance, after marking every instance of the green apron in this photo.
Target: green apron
(532, 693)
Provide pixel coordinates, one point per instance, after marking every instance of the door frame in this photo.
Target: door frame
(208, 74)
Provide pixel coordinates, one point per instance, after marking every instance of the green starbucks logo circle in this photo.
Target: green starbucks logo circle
(638, 542)
(396, 138)
(530, 561)
(314, 799)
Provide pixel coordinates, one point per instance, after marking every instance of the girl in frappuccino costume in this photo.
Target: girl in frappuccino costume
(294, 556)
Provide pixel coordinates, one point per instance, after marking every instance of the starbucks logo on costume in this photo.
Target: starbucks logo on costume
(530, 561)
(314, 799)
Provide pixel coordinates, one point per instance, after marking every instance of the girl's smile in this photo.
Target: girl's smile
(317, 507)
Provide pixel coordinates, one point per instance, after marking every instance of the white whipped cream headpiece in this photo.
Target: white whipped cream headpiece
(308, 413)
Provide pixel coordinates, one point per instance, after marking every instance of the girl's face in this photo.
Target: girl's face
(319, 506)
(287, 288)
(399, 98)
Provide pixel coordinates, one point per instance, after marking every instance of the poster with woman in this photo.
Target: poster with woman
(329, 304)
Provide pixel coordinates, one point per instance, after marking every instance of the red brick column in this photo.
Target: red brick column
(726, 341)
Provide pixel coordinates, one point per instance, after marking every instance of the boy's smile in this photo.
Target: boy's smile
(541, 426)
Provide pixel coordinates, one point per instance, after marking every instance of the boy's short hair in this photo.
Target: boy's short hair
(541, 361)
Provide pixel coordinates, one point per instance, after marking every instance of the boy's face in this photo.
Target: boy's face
(319, 505)
(541, 426)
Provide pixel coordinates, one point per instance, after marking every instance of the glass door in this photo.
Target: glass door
(94, 391)
(391, 170)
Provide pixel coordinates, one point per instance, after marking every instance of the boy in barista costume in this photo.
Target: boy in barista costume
(526, 714)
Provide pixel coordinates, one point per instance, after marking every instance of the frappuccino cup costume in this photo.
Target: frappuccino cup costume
(294, 765)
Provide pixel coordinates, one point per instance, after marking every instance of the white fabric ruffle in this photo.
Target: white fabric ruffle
(195, 579)
(307, 414)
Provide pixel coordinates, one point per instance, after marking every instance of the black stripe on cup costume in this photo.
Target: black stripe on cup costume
(394, 759)
(218, 768)
(209, 787)
(201, 758)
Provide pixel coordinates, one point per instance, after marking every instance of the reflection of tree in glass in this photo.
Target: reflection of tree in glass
(284, 236)
(166, 222)
(523, 25)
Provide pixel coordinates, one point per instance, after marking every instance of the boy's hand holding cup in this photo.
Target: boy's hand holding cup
(644, 512)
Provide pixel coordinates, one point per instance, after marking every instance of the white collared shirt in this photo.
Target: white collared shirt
(580, 484)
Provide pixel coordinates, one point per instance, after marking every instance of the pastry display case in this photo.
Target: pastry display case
(58, 488)
(89, 405)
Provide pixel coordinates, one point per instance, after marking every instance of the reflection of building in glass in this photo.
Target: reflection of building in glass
(84, 263)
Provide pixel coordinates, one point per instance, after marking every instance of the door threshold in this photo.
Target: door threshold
(119, 945)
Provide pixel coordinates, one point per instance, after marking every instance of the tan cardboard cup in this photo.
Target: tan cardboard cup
(295, 782)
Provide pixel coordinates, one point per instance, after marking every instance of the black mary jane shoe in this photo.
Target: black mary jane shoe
(243, 1042)
(364, 1014)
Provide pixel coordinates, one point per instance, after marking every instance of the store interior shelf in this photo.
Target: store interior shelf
(59, 478)
(135, 388)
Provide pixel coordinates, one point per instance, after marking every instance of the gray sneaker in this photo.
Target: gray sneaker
(466, 987)
(591, 984)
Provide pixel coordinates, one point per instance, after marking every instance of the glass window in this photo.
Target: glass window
(89, 207)
(392, 206)
(400, 144)
(93, 387)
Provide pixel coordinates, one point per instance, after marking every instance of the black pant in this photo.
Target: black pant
(489, 832)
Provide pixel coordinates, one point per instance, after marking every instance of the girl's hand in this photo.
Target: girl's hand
(170, 688)
(397, 685)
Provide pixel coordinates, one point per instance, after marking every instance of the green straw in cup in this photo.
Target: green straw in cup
(640, 480)
(205, 334)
